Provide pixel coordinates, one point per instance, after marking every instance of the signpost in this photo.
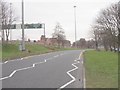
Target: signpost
(26, 26)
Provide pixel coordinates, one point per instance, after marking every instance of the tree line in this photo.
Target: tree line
(106, 29)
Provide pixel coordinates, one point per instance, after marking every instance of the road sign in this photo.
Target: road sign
(26, 26)
(32, 26)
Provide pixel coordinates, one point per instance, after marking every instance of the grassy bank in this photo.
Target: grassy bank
(101, 69)
(11, 51)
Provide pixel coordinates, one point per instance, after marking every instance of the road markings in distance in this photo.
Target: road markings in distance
(10, 61)
(25, 58)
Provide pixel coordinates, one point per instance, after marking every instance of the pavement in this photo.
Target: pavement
(63, 69)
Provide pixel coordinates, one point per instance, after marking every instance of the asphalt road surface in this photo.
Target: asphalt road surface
(63, 69)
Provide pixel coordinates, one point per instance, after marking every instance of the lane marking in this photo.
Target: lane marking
(84, 80)
(3, 78)
(12, 73)
(28, 57)
(33, 65)
(84, 83)
(21, 70)
(80, 55)
(6, 62)
(11, 61)
(68, 72)
(73, 78)
(23, 58)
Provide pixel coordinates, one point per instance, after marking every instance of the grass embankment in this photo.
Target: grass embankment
(101, 69)
(11, 51)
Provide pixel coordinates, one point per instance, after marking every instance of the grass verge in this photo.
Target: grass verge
(11, 51)
(101, 69)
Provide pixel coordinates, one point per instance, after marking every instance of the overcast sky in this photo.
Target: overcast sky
(52, 11)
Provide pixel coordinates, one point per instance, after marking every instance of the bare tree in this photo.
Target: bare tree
(106, 26)
(118, 25)
(7, 18)
(59, 34)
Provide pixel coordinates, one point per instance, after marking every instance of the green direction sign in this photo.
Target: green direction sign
(13, 26)
(32, 26)
(9, 26)
(19, 26)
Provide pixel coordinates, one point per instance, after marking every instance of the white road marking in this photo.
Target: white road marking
(3, 78)
(10, 61)
(34, 64)
(73, 78)
(12, 73)
(24, 58)
(84, 83)
(6, 62)
(68, 72)
(84, 80)
(82, 62)
(80, 54)
(21, 69)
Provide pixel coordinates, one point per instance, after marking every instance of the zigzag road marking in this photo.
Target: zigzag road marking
(21, 70)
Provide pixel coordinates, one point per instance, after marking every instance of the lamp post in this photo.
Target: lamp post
(23, 39)
(75, 24)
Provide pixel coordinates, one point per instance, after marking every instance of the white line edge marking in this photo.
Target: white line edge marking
(84, 83)
(84, 80)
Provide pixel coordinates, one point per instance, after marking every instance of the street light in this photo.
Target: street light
(75, 24)
(23, 40)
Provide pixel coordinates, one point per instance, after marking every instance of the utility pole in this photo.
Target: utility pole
(44, 31)
(23, 39)
(75, 25)
(44, 28)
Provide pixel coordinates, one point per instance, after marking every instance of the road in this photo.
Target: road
(63, 69)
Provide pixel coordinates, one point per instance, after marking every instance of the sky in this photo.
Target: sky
(52, 11)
